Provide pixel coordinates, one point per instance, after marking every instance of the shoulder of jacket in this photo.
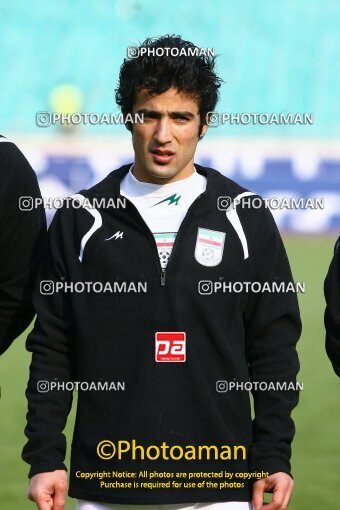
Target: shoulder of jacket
(223, 186)
(337, 247)
(106, 186)
(16, 172)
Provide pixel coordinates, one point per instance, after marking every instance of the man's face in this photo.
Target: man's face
(166, 142)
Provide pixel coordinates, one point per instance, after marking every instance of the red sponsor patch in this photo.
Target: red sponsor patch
(170, 346)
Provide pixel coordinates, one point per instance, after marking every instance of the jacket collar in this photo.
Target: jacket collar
(217, 184)
(122, 171)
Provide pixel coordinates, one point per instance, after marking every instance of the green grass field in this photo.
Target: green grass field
(316, 459)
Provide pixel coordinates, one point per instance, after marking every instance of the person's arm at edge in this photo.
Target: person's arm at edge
(332, 312)
(273, 328)
(52, 344)
(22, 235)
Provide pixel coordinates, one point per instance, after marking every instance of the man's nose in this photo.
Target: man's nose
(163, 132)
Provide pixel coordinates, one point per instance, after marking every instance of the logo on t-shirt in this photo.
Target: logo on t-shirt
(170, 346)
(173, 199)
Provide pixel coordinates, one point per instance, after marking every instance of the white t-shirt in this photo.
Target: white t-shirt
(163, 206)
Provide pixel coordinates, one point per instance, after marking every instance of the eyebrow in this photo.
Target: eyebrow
(159, 114)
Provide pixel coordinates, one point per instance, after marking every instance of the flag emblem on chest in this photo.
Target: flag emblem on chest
(164, 242)
(209, 246)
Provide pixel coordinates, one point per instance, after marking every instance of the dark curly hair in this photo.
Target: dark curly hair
(191, 73)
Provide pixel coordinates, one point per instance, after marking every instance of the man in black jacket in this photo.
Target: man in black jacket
(22, 232)
(332, 313)
(140, 308)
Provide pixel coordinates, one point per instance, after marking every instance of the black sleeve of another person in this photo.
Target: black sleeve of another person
(22, 234)
(332, 313)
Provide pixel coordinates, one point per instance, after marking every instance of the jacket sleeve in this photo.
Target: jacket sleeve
(273, 328)
(332, 313)
(53, 347)
(22, 234)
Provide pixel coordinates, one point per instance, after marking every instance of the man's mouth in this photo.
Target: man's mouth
(162, 155)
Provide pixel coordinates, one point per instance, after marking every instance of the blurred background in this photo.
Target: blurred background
(274, 57)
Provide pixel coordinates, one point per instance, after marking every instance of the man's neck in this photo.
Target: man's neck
(145, 177)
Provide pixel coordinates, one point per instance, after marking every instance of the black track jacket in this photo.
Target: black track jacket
(173, 392)
(22, 235)
(332, 313)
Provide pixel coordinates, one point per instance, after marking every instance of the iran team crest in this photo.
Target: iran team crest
(209, 246)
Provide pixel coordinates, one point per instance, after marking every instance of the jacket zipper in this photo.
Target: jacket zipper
(150, 234)
(163, 271)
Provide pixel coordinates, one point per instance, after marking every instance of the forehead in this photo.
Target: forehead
(170, 100)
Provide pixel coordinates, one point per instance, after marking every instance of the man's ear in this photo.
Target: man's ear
(203, 131)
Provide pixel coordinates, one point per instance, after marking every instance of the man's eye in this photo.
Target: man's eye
(181, 118)
(151, 115)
